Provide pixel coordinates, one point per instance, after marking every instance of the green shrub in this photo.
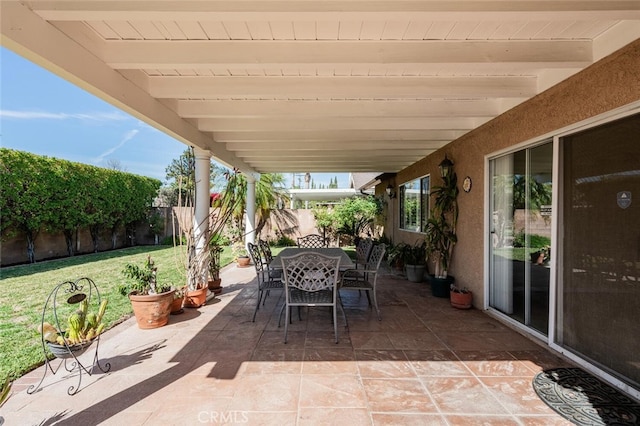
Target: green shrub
(283, 241)
(535, 240)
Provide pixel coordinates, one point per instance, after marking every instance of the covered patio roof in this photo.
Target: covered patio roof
(331, 86)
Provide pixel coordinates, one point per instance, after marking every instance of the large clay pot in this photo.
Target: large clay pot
(196, 298)
(152, 310)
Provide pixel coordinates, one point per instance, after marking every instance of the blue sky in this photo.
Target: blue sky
(44, 114)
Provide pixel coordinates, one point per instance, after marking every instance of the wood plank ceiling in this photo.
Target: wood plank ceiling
(324, 86)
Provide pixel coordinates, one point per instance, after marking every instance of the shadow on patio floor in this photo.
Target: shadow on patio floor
(424, 363)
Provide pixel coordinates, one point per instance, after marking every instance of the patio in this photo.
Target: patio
(424, 363)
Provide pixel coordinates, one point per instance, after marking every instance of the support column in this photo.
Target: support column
(250, 212)
(202, 199)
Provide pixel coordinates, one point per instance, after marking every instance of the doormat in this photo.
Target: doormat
(584, 399)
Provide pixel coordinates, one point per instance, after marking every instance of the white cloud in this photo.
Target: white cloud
(44, 115)
(127, 137)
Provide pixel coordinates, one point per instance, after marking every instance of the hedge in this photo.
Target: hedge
(44, 193)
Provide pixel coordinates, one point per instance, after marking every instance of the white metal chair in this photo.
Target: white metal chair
(312, 241)
(266, 280)
(366, 279)
(311, 279)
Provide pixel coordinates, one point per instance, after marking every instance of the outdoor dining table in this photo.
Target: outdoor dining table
(345, 260)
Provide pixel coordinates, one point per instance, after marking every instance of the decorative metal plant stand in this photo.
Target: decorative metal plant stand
(66, 295)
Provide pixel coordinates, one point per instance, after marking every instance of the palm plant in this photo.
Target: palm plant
(198, 264)
(441, 226)
(270, 191)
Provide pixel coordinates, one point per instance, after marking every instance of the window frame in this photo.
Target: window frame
(423, 206)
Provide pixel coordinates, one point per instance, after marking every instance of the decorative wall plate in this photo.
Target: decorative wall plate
(466, 184)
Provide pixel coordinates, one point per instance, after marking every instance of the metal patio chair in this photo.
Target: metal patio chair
(363, 251)
(366, 279)
(266, 280)
(312, 241)
(311, 279)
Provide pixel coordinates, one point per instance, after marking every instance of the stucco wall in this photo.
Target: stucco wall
(608, 84)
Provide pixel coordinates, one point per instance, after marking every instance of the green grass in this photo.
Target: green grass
(25, 289)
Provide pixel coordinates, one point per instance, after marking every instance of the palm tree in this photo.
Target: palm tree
(270, 191)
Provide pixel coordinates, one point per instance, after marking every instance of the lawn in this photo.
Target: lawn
(25, 289)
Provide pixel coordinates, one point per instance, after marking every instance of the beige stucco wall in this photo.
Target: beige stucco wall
(608, 84)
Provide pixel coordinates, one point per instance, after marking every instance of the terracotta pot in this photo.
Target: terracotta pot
(195, 298)
(461, 300)
(176, 306)
(243, 262)
(215, 286)
(152, 310)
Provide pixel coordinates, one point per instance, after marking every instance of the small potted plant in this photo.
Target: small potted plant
(461, 297)
(178, 301)
(241, 255)
(396, 255)
(151, 302)
(215, 250)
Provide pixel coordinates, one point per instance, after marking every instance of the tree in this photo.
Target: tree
(70, 192)
(180, 175)
(324, 220)
(270, 190)
(24, 205)
(352, 216)
(115, 164)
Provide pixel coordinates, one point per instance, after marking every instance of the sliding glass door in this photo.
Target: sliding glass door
(520, 254)
(599, 282)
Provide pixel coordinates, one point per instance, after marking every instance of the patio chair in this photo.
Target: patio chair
(267, 258)
(311, 279)
(266, 281)
(363, 251)
(312, 241)
(366, 279)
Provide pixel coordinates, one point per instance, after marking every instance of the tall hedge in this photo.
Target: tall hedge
(61, 196)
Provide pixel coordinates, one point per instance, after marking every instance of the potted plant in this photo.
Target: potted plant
(215, 249)
(461, 297)
(441, 235)
(241, 255)
(415, 261)
(151, 302)
(396, 255)
(178, 301)
(200, 260)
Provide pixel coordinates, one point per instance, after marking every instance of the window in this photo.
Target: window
(414, 204)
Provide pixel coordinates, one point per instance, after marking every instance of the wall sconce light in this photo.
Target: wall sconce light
(446, 167)
(391, 191)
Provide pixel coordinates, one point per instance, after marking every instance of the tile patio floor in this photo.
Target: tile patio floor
(425, 363)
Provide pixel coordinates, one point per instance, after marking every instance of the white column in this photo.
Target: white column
(201, 210)
(250, 212)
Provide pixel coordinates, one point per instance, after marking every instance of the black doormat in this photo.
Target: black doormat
(584, 399)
